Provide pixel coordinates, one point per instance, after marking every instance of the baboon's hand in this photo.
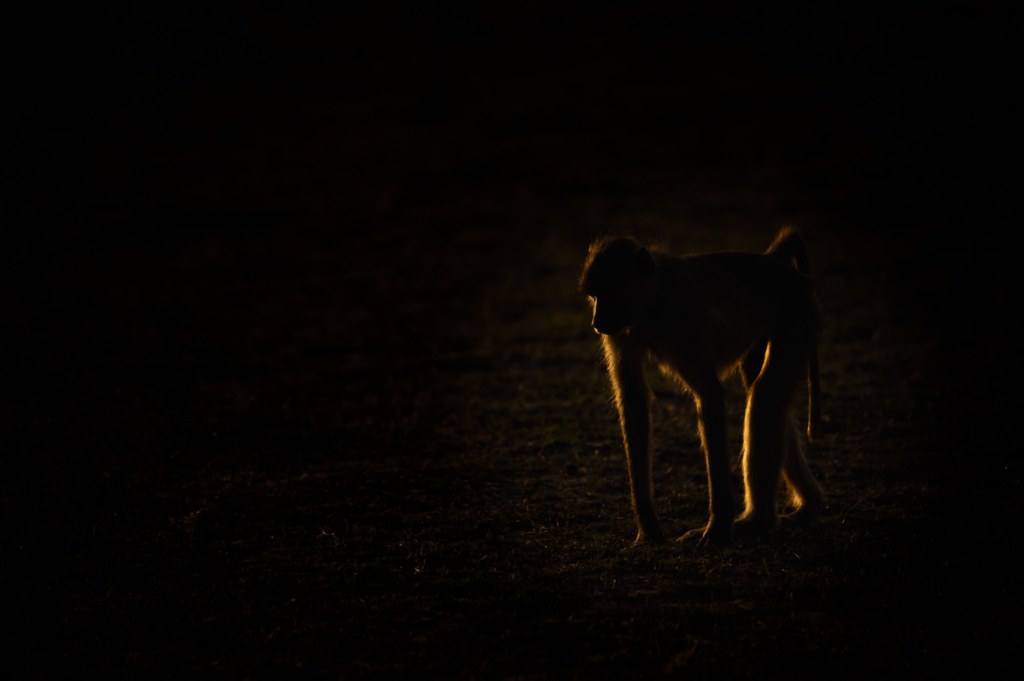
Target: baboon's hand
(716, 533)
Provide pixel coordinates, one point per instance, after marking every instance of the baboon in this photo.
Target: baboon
(699, 317)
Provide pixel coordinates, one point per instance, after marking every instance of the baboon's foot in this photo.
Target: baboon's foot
(754, 526)
(802, 517)
(714, 534)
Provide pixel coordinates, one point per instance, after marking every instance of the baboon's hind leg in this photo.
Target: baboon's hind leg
(765, 433)
(803, 488)
(752, 362)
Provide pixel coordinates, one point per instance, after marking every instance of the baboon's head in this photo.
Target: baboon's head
(615, 277)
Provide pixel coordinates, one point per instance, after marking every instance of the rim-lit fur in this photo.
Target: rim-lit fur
(699, 317)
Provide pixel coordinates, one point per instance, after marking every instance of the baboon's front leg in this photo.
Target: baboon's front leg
(636, 431)
(711, 416)
(633, 397)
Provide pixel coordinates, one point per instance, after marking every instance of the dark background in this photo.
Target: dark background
(290, 330)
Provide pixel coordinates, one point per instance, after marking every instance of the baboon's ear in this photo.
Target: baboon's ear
(644, 260)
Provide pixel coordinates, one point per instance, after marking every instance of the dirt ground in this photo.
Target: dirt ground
(297, 378)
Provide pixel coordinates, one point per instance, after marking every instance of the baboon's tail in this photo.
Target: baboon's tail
(789, 248)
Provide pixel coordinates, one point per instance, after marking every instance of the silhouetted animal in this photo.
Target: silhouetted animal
(699, 317)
